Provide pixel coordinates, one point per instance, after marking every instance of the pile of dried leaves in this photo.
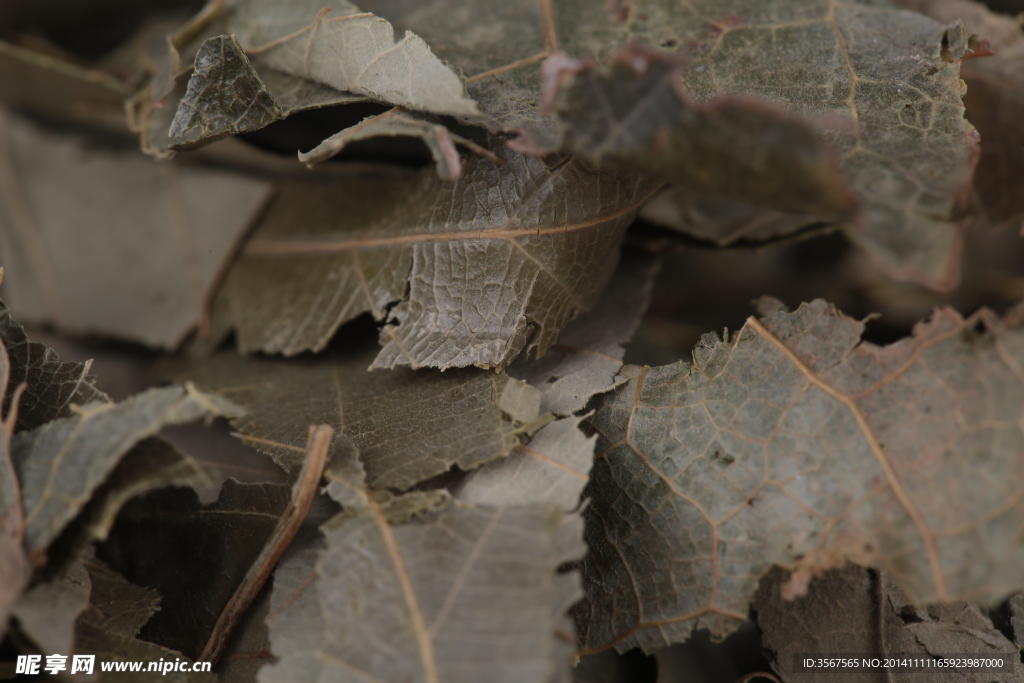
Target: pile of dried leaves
(416, 329)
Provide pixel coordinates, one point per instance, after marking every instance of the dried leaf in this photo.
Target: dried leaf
(451, 594)
(348, 50)
(225, 96)
(552, 468)
(394, 123)
(796, 444)
(194, 556)
(495, 263)
(152, 464)
(724, 222)
(47, 613)
(52, 387)
(994, 102)
(407, 426)
(132, 248)
(14, 566)
(893, 107)
(840, 616)
(588, 355)
(117, 611)
(61, 464)
(499, 46)
(45, 85)
(634, 114)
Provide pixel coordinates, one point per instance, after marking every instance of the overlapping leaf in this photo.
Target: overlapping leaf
(495, 263)
(994, 102)
(408, 427)
(841, 616)
(893, 106)
(61, 464)
(117, 611)
(193, 555)
(796, 444)
(452, 593)
(131, 249)
(635, 115)
(14, 567)
(588, 355)
(306, 56)
(52, 387)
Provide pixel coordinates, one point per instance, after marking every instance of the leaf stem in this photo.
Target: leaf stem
(303, 493)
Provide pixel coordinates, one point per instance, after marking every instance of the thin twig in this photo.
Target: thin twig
(303, 493)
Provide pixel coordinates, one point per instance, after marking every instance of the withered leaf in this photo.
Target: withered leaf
(349, 50)
(724, 222)
(552, 468)
(61, 464)
(588, 355)
(452, 593)
(193, 555)
(394, 123)
(151, 464)
(906, 150)
(14, 566)
(43, 84)
(796, 444)
(109, 628)
(225, 96)
(52, 387)
(892, 108)
(132, 248)
(47, 613)
(407, 426)
(840, 616)
(495, 263)
(635, 114)
(994, 102)
(501, 62)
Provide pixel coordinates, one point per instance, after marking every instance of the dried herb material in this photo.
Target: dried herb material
(794, 443)
(117, 611)
(132, 249)
(225, 96)
(440, 578)
(844, 606)
(495, 263)
(51, 388)
(636, 115)
(467, 242)
(14, 567)
(993, 101)
(61, 464)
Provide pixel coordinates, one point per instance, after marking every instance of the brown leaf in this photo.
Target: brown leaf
(892, 107)
(174, 227)
(635, 114)
(52, 387)
(841, 616)
(14, 566)
(796, 444)
(496, 263)
(452, 592)
(994, 103)
(407, 426)
(225, 96)
(61, 464)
